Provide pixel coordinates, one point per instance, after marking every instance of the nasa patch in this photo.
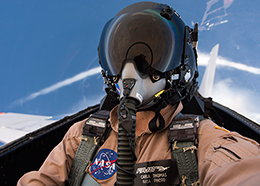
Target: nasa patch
(103, 166)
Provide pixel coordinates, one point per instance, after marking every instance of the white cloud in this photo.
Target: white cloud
(221, 61)
(60, 84)
(242, 100)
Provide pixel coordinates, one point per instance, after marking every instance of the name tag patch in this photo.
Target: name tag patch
(103, 166)
(164, 172)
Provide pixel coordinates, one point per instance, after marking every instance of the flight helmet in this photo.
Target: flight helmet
(150, 42)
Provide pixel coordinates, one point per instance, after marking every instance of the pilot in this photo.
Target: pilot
(149, 63)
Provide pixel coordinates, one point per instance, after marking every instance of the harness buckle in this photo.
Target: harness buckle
(96, 124)
(184, 129)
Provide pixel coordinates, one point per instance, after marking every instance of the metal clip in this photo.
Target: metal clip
(192, 148)
(83, 138)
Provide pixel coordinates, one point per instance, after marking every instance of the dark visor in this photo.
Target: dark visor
(146, 33)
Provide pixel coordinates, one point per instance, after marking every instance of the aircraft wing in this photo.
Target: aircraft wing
(15, 125)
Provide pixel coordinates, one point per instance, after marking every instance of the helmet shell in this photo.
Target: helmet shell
(140, 29)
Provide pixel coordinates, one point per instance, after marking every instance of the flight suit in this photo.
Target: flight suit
(224, 158)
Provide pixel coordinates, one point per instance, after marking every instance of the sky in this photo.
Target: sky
(49, 61)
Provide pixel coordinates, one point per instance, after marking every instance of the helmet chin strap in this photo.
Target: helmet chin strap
(164, 98)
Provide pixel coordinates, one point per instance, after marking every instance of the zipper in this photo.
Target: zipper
(231, 152)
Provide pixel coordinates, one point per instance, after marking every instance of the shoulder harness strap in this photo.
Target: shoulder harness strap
(93, 136)
(183, 141)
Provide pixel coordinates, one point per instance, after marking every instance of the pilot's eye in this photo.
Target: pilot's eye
(115, 79)
(156, 77)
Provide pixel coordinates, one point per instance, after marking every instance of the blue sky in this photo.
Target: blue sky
(49, 63)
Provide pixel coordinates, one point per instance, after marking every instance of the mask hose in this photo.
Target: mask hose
(126, 136)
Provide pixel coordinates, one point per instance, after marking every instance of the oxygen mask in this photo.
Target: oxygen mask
(145, 86)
